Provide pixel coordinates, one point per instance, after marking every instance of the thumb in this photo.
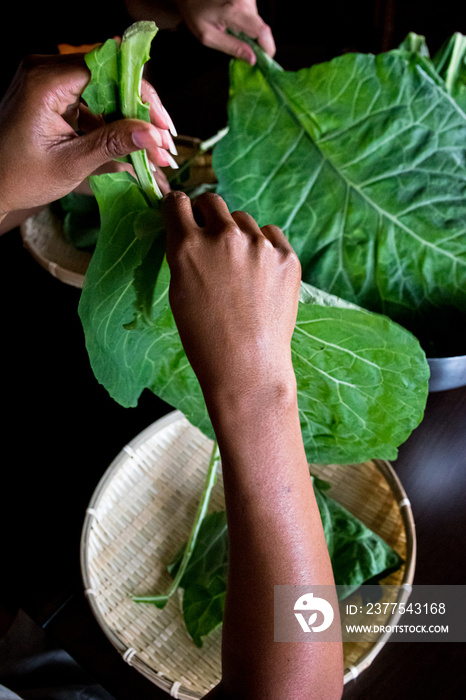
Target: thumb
(86, 153)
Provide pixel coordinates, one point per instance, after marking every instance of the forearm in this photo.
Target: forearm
(234, 295)
(275, 537)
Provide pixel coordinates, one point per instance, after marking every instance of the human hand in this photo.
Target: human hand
(42, 156)
(208, 20)
(234, 294)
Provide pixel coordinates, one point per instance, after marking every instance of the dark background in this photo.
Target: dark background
(193, 80)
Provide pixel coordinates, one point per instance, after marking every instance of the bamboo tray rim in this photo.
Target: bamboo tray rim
(129, 654)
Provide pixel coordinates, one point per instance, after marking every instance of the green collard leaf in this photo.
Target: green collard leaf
(362, 162)
(311, 295)
(210, 556)
(203, 608)
(115, 89)
(148, 225)
(357, 553)
(79, 214)
(102, 93)
(107, 301)
(362, 380)
(127, 360)
(133, 55)
(184, 563)
(415, 43)
(362, 383)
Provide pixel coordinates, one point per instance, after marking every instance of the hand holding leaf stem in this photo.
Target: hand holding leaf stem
(234, 295)
(49, 141)
(209, 20)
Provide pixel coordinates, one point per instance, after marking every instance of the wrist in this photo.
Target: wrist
(251, 404)
(259, 437)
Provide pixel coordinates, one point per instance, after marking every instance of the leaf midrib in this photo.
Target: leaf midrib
(287, 103)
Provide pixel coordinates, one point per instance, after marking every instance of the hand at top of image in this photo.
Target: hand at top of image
(209, 21)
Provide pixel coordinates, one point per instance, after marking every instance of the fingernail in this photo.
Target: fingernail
(145, 139)
(171, 146)
(171, 126)
(171, 161)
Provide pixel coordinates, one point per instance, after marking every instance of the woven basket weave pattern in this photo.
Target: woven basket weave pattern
(140, 516)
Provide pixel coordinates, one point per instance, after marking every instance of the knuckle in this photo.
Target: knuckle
(232, 232)
(204, 34)
(111, 143)
(208, 197)
(293, 262)
(263, 245)
(239, 51)
(175, 196)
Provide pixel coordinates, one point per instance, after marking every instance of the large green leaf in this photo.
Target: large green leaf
(447, 67)
(362, 379)
(358, 554)
(362, 162)
(133, 55)
(127, 357)
(205, 579)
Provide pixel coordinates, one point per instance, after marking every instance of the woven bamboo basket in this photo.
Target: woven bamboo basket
(142, 512)
(42, 234)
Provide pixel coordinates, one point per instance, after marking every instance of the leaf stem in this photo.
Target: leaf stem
(270, 69)
(161, 600)
(458, 51)
(203, 147)
(133, 54)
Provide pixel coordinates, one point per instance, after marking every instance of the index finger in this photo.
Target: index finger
(254, 26)
(179, 220)
(212, 214)
(266, 40)
(61, 77)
